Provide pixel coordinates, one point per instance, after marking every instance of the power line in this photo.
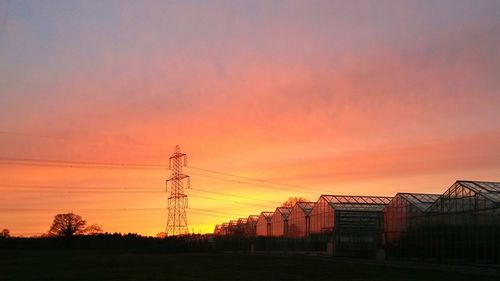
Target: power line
(245, 177)
(97, 189)
(85, 209)
(116, 165)
(236, 196)
(196, 210)
(302, 190)
(74, 166)
(241, 182)
(85, 187)
(57, 191)
(79, 164)
(231, 201)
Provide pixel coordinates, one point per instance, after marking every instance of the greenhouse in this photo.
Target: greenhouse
(462, 224)
(251, 225)
(353, 223)
(279, 221)
(232, 227)
(299, 223)
(217, 229)
(224, 229)
(241, 225)
(400, 213)
(263, 226)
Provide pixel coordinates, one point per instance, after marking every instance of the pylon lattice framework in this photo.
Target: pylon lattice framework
(177, 201)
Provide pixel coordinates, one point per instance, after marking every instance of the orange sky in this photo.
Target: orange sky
(364, 98)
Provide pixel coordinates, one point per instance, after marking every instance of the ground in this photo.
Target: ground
(127, 265)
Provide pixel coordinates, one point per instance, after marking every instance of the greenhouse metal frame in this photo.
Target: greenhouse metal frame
(400, 217)
(353, 224)
(463, 224)
(299, 222)
(263, 226)
(279, 221)
(251, 225)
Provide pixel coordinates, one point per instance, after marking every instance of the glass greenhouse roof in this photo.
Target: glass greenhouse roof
(464, 196)
(267, 215)
(306, 207)
(489, 190)
(419, 200)
(284, 211)
(348, 199)
(253, 218)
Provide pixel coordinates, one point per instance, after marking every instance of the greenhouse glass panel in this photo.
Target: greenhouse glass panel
(263, 226)
(299, 220)
(279, 221)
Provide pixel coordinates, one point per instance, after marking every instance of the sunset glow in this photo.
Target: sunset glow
(311, 97)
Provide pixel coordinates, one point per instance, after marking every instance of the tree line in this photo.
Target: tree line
(68, 224)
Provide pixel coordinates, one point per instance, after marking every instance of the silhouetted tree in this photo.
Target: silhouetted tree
(93, 229)
(292, 200)
(5, 233)
(67, 225)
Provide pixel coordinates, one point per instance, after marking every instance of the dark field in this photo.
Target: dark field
(125, 265)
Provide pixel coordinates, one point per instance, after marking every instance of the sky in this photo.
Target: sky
(313, 97)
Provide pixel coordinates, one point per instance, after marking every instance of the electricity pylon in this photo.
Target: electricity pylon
(177, 201)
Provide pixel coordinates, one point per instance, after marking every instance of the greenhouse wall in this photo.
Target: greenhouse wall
(217, 229)
(462, 225)
(279, 221)
(299, 222)
(358, 232)
(321, 217)
(353, 224)
(401, 212)
(224, 229)
(251, 225)
(264, 226)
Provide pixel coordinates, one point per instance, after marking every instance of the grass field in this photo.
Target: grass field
(126, 265)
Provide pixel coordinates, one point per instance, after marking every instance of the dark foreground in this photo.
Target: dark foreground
(127, 265)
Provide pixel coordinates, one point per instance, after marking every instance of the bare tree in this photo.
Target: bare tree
(5, 233)
(93, 229)
(292, 200)
(67, 225)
